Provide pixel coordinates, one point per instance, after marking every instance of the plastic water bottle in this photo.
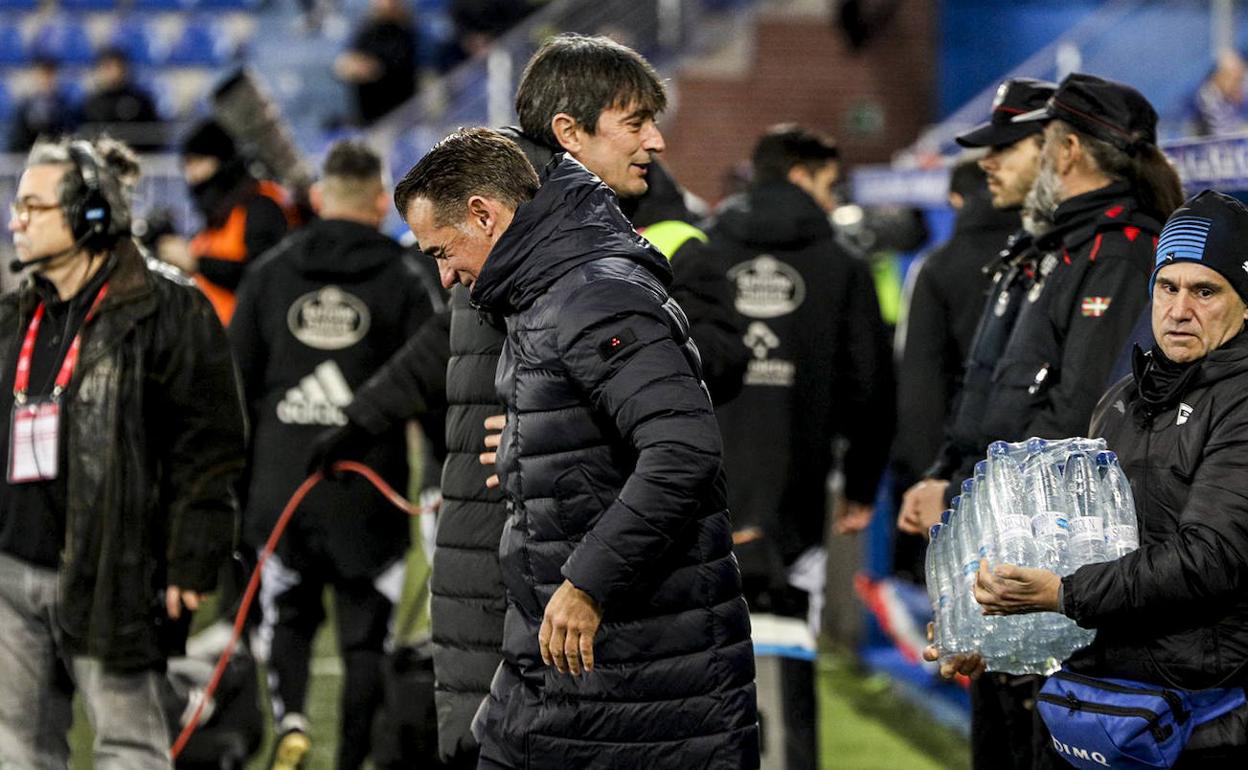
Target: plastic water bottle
(932, 569)
(1087, 520)
(1011, 522)
(1050, 506)
(968, 562)
(1121, 529)
(983, 513)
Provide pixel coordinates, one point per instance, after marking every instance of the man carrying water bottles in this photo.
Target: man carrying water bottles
(1173, 613)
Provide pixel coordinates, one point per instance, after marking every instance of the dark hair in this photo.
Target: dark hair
(471, 161)
(1151, 175)
(968, 179)
(787, 145)
(582, 76)
(352, 160)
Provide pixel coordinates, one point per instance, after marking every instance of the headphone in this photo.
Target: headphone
(90, 217)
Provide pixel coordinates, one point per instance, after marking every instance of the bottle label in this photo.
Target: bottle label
(1015, 526)
(1123, 536)
(1050, 524)
(1087, 528)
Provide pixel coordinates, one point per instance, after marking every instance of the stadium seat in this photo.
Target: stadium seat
(6, 105)
(134, 37)
(12, 46)
(88, 5)
(160, 5)
(65, 40)
(227, 5)
(199, 45)
(18, 5)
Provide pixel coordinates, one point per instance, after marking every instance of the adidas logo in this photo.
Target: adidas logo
(318, 400)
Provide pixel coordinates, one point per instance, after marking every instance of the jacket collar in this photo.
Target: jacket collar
(1077, 220)
(573, 219)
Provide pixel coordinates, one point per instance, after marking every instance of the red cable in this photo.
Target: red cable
(253, 585)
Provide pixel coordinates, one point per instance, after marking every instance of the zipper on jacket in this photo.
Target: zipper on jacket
(1169, 696)
(1159, 731)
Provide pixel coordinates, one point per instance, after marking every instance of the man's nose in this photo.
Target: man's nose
(652, 138)
(447, 275)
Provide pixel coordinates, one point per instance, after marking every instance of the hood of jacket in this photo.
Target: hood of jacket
(1160, 383)
(328, 248)
(573, 219)
(773, 215)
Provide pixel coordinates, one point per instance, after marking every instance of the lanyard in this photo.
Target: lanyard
(21, 381)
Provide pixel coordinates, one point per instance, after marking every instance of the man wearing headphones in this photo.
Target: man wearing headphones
(124, 438)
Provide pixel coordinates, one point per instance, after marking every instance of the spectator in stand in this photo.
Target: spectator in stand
(119, 106)
(243, 216)
(380, 63)
(48, 111)
(479, 22)
(945, 294)
(1219, 102)
(319, 314)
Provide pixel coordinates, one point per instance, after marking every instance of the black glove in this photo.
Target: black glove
(346, 442)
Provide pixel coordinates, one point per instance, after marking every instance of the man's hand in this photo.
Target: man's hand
(345, 442)
(969, 664)
(176, 599)
(921, 506)
(494, 425)
(1011, 590)
(852, 517)
(566, 637)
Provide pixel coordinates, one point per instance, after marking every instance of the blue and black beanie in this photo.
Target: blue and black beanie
(1212, 229)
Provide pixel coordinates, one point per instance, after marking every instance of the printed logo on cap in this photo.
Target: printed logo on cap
(767, 287)
(328, 319)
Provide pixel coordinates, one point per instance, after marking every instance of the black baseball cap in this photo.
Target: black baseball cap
(1014, 97)
(1102, 109)
(1210, 229)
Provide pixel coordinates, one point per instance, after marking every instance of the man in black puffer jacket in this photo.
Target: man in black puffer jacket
(1174, 612)
(320, 313)
(617, 553)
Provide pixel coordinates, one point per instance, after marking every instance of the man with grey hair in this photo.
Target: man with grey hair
(125, 437)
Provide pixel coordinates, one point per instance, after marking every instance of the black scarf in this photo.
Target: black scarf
(1160, 382)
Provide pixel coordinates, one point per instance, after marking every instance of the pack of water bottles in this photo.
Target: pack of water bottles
(1051, 504)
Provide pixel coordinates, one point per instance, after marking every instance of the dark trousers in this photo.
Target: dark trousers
(1006, 730)
(293, 611)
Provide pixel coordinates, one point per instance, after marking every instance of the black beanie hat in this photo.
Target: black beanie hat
(209, 139)
(1211, 229)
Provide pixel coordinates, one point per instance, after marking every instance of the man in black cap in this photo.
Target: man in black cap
(1178, 425)
(1059, 313)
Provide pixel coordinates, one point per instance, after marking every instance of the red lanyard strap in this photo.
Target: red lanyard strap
(21, 381)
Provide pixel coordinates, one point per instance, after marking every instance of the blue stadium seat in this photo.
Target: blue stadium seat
(6, 104)
(12, 46)
(88, 5)
(199, 45)
(227, 5)
(65, 40)
(160, 5)
(18, 5)
(134, 37)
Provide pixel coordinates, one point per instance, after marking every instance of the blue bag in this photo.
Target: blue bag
(1121, 724)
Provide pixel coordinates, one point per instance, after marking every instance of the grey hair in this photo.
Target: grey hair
(116, 166)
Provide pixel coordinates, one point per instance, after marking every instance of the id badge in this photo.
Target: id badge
(34, 441)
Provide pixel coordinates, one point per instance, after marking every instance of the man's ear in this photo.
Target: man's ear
(567, 132)
(1070, 153)
(316, 196)
(481, 213)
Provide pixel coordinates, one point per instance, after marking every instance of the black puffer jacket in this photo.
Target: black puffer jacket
(317, 315)
(1175, 612)
(155, 431)
(821, 367)
(611, 464)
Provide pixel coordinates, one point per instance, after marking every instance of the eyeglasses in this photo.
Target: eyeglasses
(22, 210)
